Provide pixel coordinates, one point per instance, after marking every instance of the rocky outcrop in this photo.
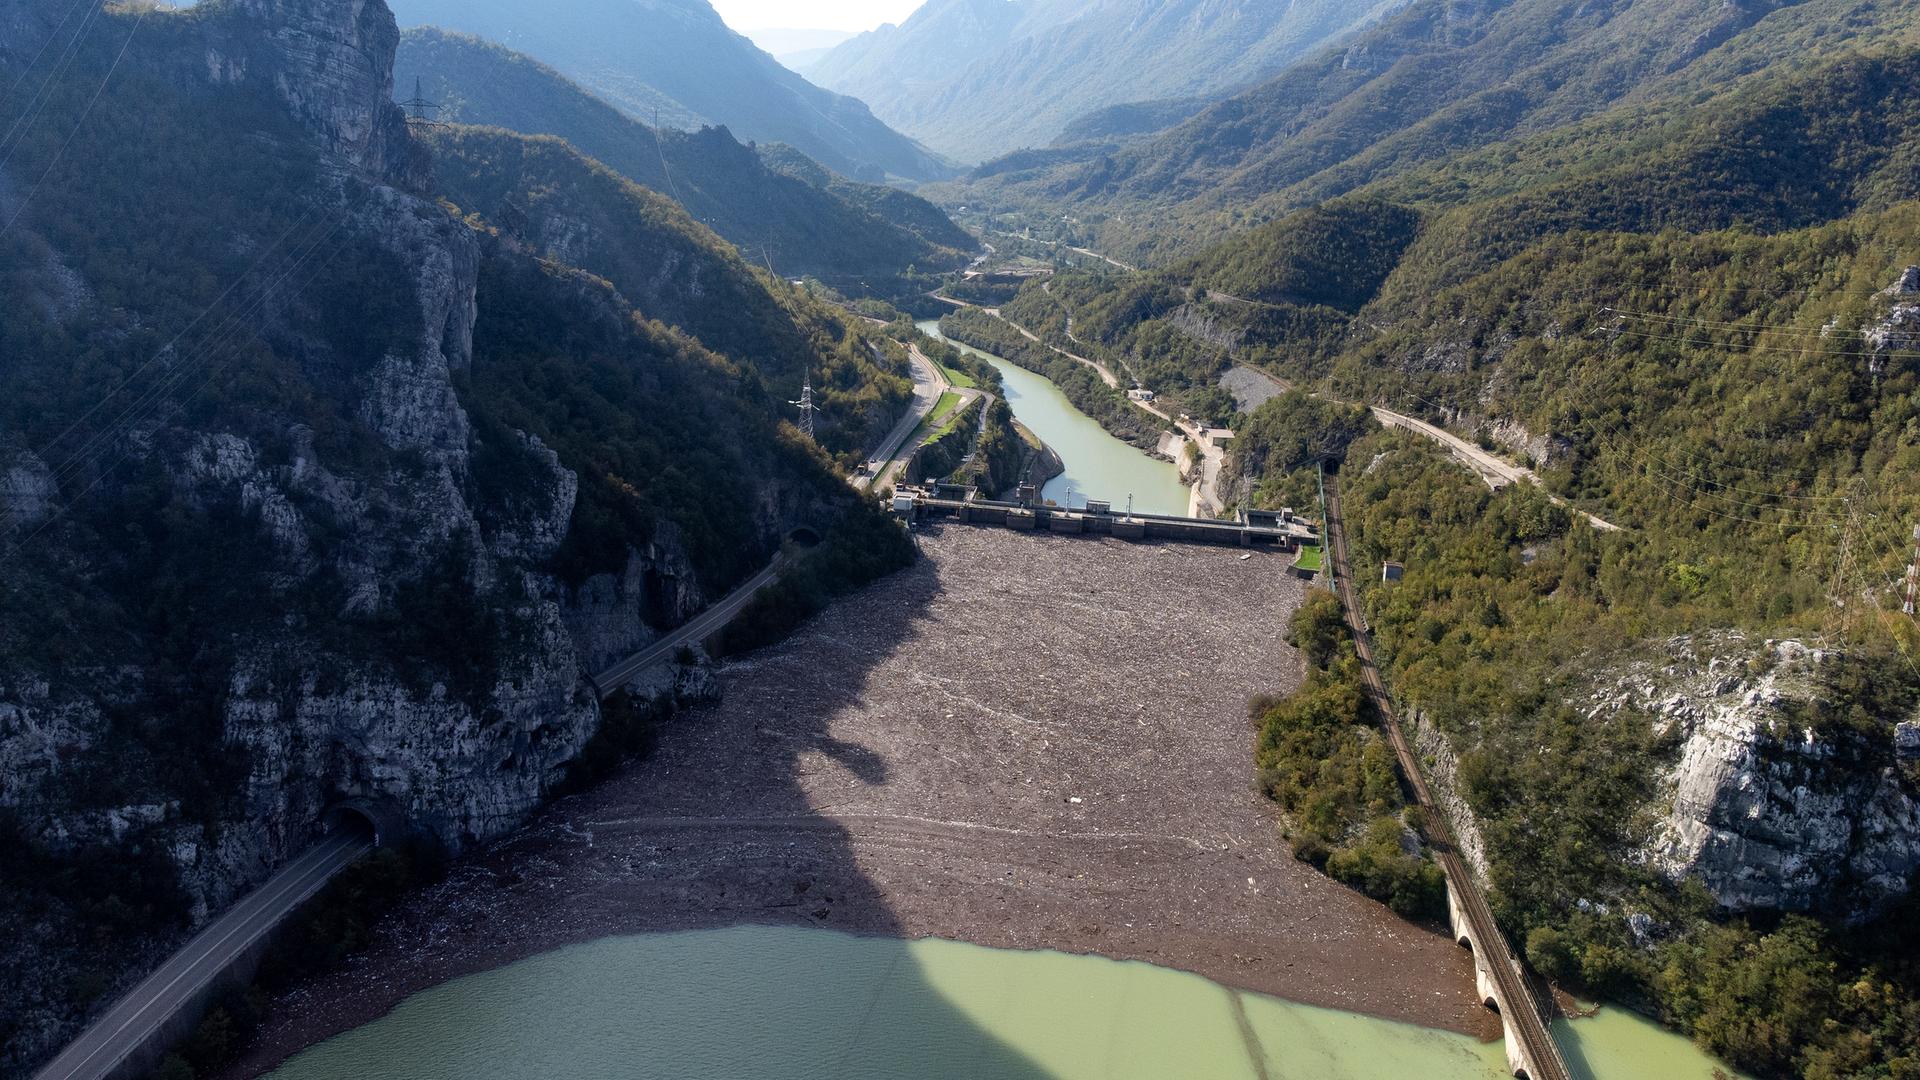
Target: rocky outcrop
(27, 490)
(302, 708)
(1443, 774)
(611, 617)
(1898, 331)
(1540, 450)
(1765, 812)
(331, 62)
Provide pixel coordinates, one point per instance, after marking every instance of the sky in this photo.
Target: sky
(746, 15)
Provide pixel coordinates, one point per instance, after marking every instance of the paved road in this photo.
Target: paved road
(135, 1019)
(1497, 472)
(703, 626)
(1524, 1013)
(929, 382)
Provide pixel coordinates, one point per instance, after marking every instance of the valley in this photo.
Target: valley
(1046, 539)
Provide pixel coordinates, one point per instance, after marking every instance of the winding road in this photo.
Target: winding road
(702, 626)
(191, 972)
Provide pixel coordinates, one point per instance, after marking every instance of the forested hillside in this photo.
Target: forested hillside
(1668, 270)
(312, 487)
(642, 55)
(1432, 82)
(801, 217)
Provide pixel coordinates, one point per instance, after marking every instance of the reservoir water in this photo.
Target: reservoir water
(762, 1003)
(1099, 466)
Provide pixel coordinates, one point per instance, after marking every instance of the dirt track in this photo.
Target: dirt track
(1025, 741)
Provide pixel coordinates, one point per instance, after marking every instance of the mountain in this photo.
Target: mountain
(1662, 255)
(316, 484)
(1435, 80)
(820, 224)
(979, 78)
(798, 48)
(641, 55)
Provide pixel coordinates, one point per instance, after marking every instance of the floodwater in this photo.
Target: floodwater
(1099, 466)
(765, 1003)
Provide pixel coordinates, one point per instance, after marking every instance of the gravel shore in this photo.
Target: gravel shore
(1028, 742)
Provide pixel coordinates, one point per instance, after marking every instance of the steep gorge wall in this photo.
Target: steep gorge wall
(301, 704)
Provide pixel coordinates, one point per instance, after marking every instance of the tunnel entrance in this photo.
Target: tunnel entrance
(383, 823)
(804, 537)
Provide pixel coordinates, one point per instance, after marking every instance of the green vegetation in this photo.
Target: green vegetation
(1081, 384)
(1411, 99)
(250, 535)
(948, 447)
(1504, 597)
(942, 409)
(998, 456)
(1312, 559)
(1322, 760)
(958, 377)
(1653, 268)
(1286, 438)
(776, 204)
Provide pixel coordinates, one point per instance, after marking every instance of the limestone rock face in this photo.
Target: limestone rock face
(1767, 814)
(27, 490)
(301, 705)
(1899, 329)
(331, 61)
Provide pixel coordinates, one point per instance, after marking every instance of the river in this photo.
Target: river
(786, 1004)
(1099, 466)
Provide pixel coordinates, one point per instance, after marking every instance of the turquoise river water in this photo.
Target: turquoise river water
(762, 1003)
(1099, 466)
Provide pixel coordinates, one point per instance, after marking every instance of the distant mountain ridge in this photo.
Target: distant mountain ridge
(1439, 79)
(978, 78)
(804, 220)
(642, 55)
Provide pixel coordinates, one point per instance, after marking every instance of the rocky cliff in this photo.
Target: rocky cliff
(332, 574)
(1766, 810)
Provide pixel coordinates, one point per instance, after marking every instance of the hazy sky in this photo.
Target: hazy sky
(813, 14)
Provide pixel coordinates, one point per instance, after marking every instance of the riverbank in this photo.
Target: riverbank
(1092, 463)
(1003, 745)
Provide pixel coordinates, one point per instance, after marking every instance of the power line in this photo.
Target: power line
(1703, 343)
(213, 372)
(1715, 324)
(312, 212)
(52, 36)
(84, 114)
(37, 104)
(225, 331)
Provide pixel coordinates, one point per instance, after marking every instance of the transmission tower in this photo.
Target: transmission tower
(806, 406)
(420, 111)
(1848, 591)
(1913, 576)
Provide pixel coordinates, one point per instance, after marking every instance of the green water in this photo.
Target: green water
(759, 1003)
(1099, 466)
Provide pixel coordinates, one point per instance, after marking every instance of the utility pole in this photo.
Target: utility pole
(806, 406)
